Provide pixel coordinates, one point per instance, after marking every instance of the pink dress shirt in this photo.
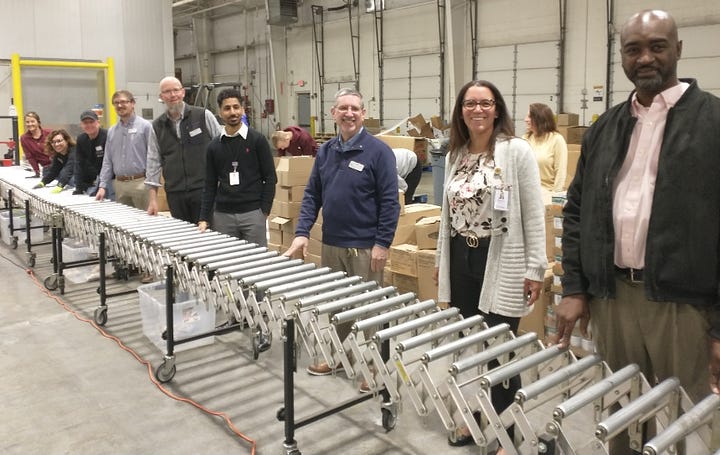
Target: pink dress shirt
(635, 183)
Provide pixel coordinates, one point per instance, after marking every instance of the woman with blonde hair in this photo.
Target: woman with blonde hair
(550, 147)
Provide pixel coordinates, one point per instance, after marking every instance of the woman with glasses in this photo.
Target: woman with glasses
(33, 143)
(491, 246)
(550, 148)
(61, 146)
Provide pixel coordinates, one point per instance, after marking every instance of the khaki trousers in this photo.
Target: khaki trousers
(664, 339)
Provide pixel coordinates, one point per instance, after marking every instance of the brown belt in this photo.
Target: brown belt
(128, 178)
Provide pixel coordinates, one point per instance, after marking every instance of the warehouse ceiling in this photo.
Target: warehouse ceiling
(185, 10)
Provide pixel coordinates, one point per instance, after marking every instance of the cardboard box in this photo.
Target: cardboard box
(567, 119)
(275, 236)
(426, 232)
(535, 320)
(405, 283)
(275, 247)
(404, 259)
(316, 232)
(549, 233)
(558, 269)
(427, 289)
(387, 275)
(289, 193)
(572, 161)
(405, 232)
(575, 135)
(280, 223)
(314, 258)
(287, 209)
(294, 170)
(315, 247)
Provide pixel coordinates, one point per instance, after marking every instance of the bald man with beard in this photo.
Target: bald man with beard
(182, 135)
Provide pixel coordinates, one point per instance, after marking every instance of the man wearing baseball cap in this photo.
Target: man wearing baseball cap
(89, 154)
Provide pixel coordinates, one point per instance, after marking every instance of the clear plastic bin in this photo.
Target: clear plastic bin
(190, 317)
(36, 235)
(74, 250)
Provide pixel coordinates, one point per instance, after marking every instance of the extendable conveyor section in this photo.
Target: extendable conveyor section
(407, 350)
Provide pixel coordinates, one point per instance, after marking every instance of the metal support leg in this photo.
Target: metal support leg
(166, 371)
(288, 412)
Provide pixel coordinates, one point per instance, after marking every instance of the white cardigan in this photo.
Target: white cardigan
(514, 255)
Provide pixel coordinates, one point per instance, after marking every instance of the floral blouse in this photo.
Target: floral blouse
(470, 194)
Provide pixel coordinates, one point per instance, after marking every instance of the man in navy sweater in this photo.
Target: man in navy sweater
(354, 181)
(239, 176)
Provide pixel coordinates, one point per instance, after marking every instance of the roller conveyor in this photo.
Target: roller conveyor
(432, 366)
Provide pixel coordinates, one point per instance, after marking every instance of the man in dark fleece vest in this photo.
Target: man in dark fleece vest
(182, 135)
(239, 177)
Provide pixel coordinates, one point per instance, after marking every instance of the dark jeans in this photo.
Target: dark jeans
(467, 271)
(185, 205)
(412, 180)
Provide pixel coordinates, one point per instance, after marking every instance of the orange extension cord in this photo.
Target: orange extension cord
(67, 308)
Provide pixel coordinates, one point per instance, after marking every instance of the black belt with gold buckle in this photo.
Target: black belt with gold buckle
(630, 274)
(473, 241)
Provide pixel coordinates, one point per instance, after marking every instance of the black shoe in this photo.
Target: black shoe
(461, 441)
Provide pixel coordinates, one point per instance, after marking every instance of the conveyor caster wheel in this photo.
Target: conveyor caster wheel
(280, 414)
(101, 316)
(261, 343)
(295, 452)
(14, 243)
(31, 261)
(164, 374)
(388, 419)
(51, 282)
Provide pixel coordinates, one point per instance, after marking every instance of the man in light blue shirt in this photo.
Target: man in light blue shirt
(126, 152)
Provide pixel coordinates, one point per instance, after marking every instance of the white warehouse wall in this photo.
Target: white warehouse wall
(517, 47)
(136, 34)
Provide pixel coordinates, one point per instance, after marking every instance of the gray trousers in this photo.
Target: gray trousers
(250, 226)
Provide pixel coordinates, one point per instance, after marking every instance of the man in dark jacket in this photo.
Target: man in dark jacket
(89, 153)
(183, 133)
(641, 230)
(239, 177)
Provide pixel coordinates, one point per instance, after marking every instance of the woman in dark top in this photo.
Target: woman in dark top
(61, 146)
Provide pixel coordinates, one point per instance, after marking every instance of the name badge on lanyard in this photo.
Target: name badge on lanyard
(501, 196)
(234, 176)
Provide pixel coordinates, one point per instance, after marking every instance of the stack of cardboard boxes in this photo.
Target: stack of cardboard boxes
(568, 126)
(292, 173)
(579, 344)
(412, 254)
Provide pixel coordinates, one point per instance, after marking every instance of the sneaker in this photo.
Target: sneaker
(323, 369)
(364, 387)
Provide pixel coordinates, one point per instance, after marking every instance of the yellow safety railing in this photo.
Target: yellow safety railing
(17, 63)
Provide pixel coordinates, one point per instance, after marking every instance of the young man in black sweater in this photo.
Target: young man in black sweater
(239, 177)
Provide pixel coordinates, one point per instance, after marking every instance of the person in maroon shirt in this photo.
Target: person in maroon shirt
(294, 141)
(33, 143)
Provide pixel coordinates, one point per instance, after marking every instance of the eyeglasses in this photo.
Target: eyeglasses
(171, 91)
(472, 104)
(121, 102)
(57, 141)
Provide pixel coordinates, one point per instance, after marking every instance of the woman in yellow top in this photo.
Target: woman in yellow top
(550, 147)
